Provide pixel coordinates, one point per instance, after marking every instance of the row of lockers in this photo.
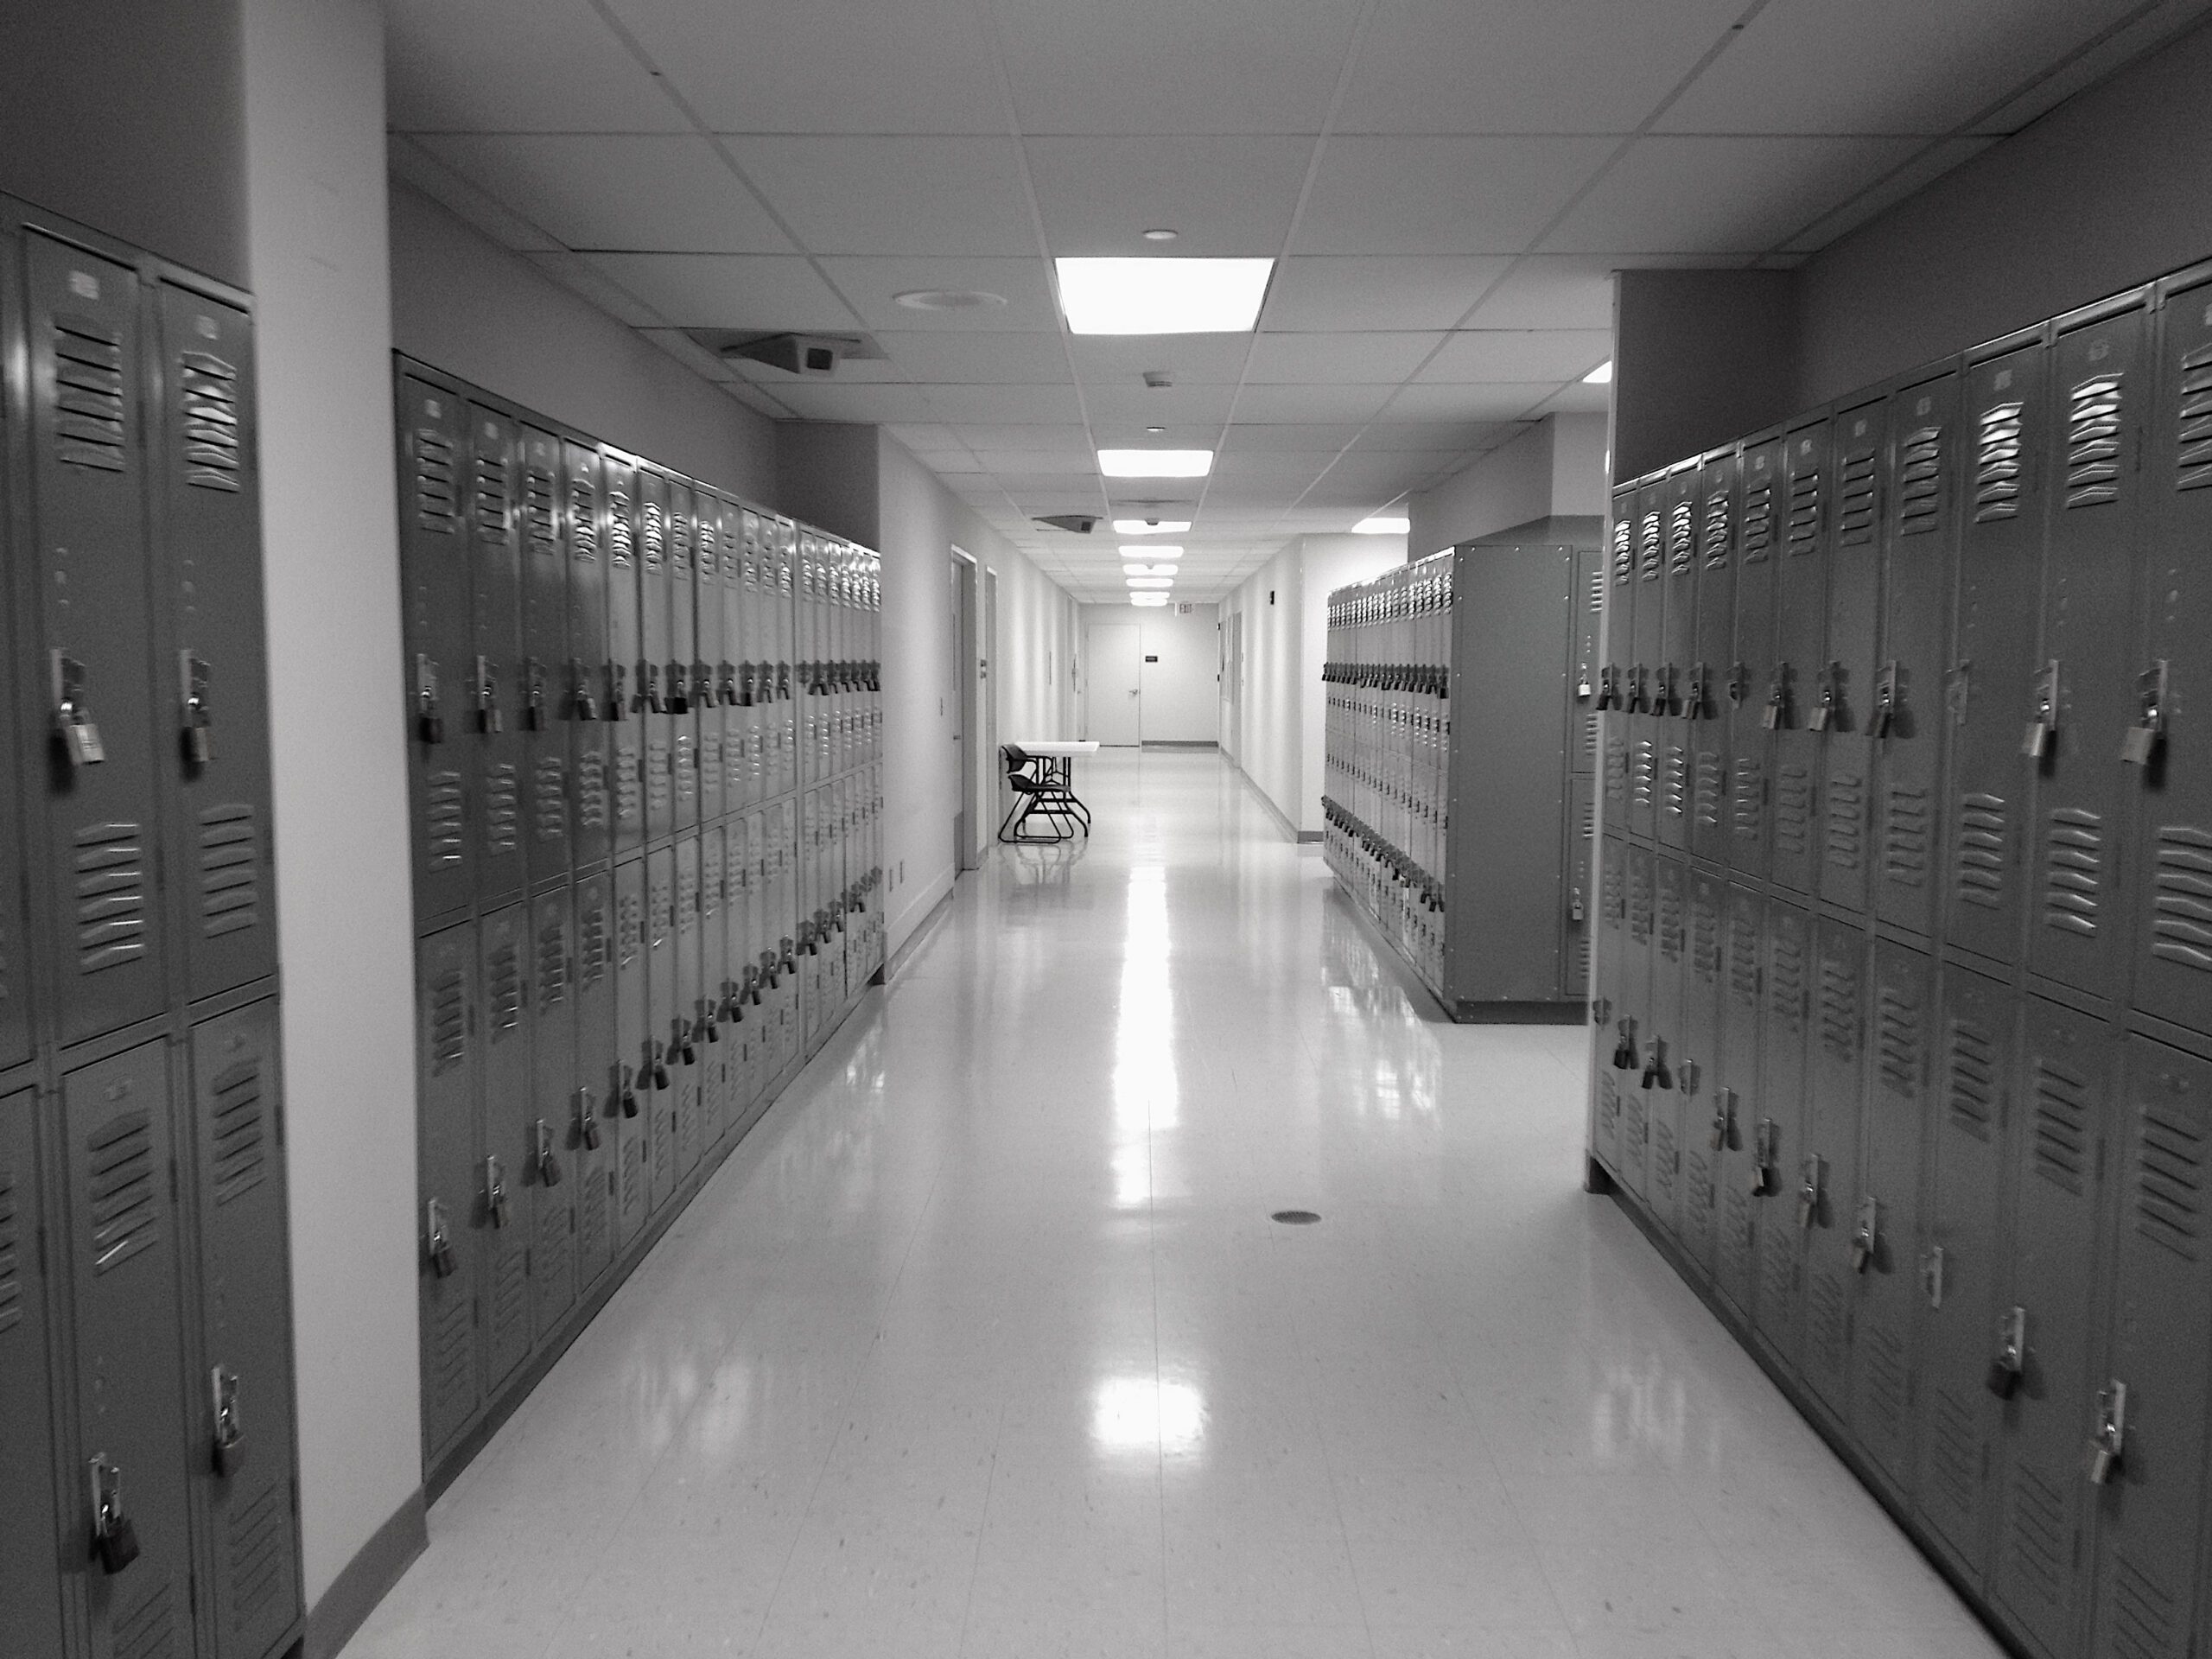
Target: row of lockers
(1967, 1222)
(148, 1497)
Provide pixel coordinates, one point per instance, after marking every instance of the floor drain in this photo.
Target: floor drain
(1295, 1217)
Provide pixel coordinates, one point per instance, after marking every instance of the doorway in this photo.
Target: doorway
(1114, 714)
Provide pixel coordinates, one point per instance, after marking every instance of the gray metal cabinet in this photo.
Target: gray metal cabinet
(624, 709)
(593, 687)
(1745, 1173)
(597, 1088)
(1751, 671)
(434, 598)
(1671, 706)
(547, 695)
(638, 1057)
(1845, 688)
(30, 1590)
(1826, 1207)
(504, 1082)
(1800, 653)
(1616, 1024)
(656, 639)
(1661, 1080)
(1702, 1126)
(1577, 928)
(553, 1175)
(494, 704)
(714, 991)
(1646, 622)
(1705, 681)
(1616, 728)
(683, 708)
(687, 1029)
(447, 1142)
(713, 677)
(1778, 1312)
(663, 1054)
(17, 982)
(1587, 593)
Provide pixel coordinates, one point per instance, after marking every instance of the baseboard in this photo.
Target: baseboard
(929, 893)
(1179, 743)
(1310, 836)
(895, 963)
(366, 1580)
(1282, 818)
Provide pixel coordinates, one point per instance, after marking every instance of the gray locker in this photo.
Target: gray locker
(716, 1115)
(1778, 1313)
(2171, 739)
(504, 1079)
(1660, 1080)
(1828, 1170)
(1845, 694)
(597, 1088)
(1706, 708)
(662, 1055)
(30, 1590)
(1646, 622)
(1612, 698)
(750, 1025)
(453, 1266)
(637, 1066)
(546, 1177)
(2068, 1075)
(743, 612)
(782, 826)
(1799, 644)
(1615, 1024)
(1751, 679)
(434, 574)
(2151, 1505)
(1634, 996)
(656, 636)
(2087, 702)
(547, 699)
(1744, 1174)
(1589, 611)
(1885, 1229)
(495, 693)
(1960, 1267)
(1672, 704)
(679, 685)
(212, 572)
(1907, 709)
(1581, 876)
(1991, 671)
(123, 1250)
(17, 981)
(687, 1036)
(246, 1439)
(594, 684)
(713, 677)
(625, 707)
(88, 458)
(1703, 1127)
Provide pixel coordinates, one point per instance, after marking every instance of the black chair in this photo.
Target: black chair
(1036, 795)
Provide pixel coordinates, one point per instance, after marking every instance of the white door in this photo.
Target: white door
(1116, 661)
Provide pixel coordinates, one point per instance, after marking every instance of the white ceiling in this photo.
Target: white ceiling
(1448, 186)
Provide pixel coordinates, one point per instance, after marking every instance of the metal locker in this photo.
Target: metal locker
(593, 688)
(246, 1436)
(434, 570)
(1779, 1119)
(624, 709)
(1992, 674)
(212, 572)
(680, 674)
(1631, 1054)
(783, 919)
(656, 636)
(447, 1156)
(1703, 1126)
(31, 1590)
(1845, 693)
(1706, 706)
(742, 620)
(547, 700)
(635, 1069)
(1646, 624)
(1907, 710)
(783, 620)
(2149, 1410)
(1607, 1009)
(553, 1176)
(597, 1087)
(1753, 669)
(1886, 1225)
(17, 982)
(687, 1035)
(2067, 1077)
(494, 701)
(1959, 1264)
(663, 1056)
(1745, 1172)
(1793, 692)
(713, 676)
(1672, 706)
(1660, 1077)
(715, 1005)
(504, 1080)
(1827, 1188)
(88, 511)
(2087, 701)
(2169, 747)
(1584, 672)
(121, 1248)
(1581, 879)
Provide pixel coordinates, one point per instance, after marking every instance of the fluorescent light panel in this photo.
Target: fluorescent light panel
(1149, 582)
(1167, 571)
(1162, 296)
(1600, 375)
(1150, 526)
(1164, 551)
(1147, 599)
(1155, 463)
(1382, 524)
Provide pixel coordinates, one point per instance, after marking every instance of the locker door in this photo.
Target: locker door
(1828, 1174)
(1921, 519)
(714, 1054)
(1586, 671)
(445, 1027)
(88, 504)
(682, 656)
(2099, 397)
(546, 1174)
(1581, 878)
(434, 569)
(597, 1088)
(1743, 1172)
(1646, 625)
(124, 1271)
(16, 978)
(497, 693)
(751, 609)
(625, 705)
(687, 1037)
(546, 701)
(1705, 679)
(1845, 693)
(1780, 1117)
(1670, 699)
(1800, 643)
(1609, 1012)
(1887, 1221)
(663, 1056)
(211, 571)
(595, 695)
(1992, 649)
(1634, 999)
(1697, 1070)
(784, 619)
(655, 639)
(1662, 1056)
(2171, 928)
(30, 1590)
(783, 856)
(2150, 1511)
(711, 673)
(501, 1200)
(1750, 678)
(634, 1045)
(244, 1387)
(1959, 1268)
(2067, 1078)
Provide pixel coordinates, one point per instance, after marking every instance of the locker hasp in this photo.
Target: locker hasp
(228, 1450)
(2012, 1356)
(115, 1541)
(2109, 1438)
(443, 1263)
(73, 717)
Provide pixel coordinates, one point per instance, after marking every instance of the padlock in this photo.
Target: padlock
(430, 724)
(1724, 1113)
(1886, 702)
(629, 1093)
(1624, 1050)
(443, 1263)
(648, 699)
(228, 1450)
(489, 721)
(2036, 744)
(582, 705)
(549, 1165)
(2012, 1356)
(114, 1540)
(617, 691)
(587, 1122)
(2140, 745)
(1740, 684)
(681, 1046)
(1827, 712)
(1776, 716)
(533, 702)
(678, 701)
(496, 1209)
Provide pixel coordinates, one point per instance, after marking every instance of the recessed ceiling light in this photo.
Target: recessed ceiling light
(1149, 582)
(1162, 296)
(1155, 430)
(1155, 463)
(1381, 525)
(1147, 599)
(947, 299)
(1148, 569)
(1150, 527)
(1147, 550)
(1160, 234)
(1600, 375)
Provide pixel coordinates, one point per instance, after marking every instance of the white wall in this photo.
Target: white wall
(1554, 469)
(1181, 700)
(321, 275)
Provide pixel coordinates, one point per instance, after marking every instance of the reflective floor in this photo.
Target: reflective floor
(982, 1343)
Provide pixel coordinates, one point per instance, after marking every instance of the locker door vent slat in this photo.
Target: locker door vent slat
(90, 418)
(505, 988)
(148, 1630)
(1825, 1311)
(11, 1261)
(110, 862)
(656, 773)
(2180, 923)
(1708, 788)
(1793, 807)
(1804, 527)
(1845, 841)
(1998, 463)
(592, 1219)
(230, 868)
(1624, 549)
(2036, 1537)
(1977, 860)
(1597, 592)
(1713, 536)
(591, 943)
(2061, 1151)
(124, 1210)
(1899, 1035)
(1743, 961)
(652, 536)
(552, 966)
(1649, 556)
(449, 1022)
(208, 432)
(1673, 924)
(2092, 418)
(541, 522)
(1675, 781)
(629, 788)
(584, 520)
(1616, 766)
(621, 532)
(510, 1297)
(591, 788)
(1920, 481)
(1858, 500)
(1639, 902)
(1747, 811)
(1697, 1181)
(1785, 988)
(634, 1177)
(1644, 774)
(551, 1243)
(679, 544)
(1904, 835)
(2073, 863)
(445, 820)
(437, 494)
(502, 808)
(548, 816)
(1705, 938)
(1970, 1079)
(1759, 521)
(259, 1551)
(493, 511)
(1887, 1377)
(1954, 1452)
(453, 1351)
(2169, 1179)
(1839, 1020)
(1737, 1223)
(2142, 1615)
(1681, 538)
(240, 1132)
(2193, 427)
(1663, 1160)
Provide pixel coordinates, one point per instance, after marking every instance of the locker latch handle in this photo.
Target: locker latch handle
(1639, 696)
(1739, 684)
(2036, 745)
(489, 721)
(496, 1209)
(680, 1043)
(1777, 717)
(430, 724)
(1931, 1275)
(229, 1448)
(1609, 693)
(1867, 1236)
(1808, 1192)
(1582, 687)
(1655, 1074)
(439, 1246)
(1886, 702)
(2110, 1441)
(115, 1541)
(1574, 904)
(1601, 1010)
(1697, 696)
(657, 1071)
(582, 705)
(1828, 713)
(1625, 1049)
(2140, 746)
(1688, 1073)
(1664, 700)
(679, 689)
(2011, 1357)
(533, 695)
(1765, 1149)
(1724, 1121)
(587, 1122)
(649, 689)
(617, 691)
(73, 717)
(196, 728)
(544, 1159)
(726, 684)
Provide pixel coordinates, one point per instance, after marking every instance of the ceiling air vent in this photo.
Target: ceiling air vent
(1078, 524)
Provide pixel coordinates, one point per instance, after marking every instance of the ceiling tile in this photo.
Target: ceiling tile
(926, 437)
(1127, 411)
(1551, 291)
(1494, 401)
(1309, 403)
(1032, 463)
(1395, 433)
(1191, 360)
(1319, 438)
(1225, 195)
(1442, 195)
(1577, 398)
(1921, 170)
(691, 353)
(515, 65)
(1294, 470)
(617, 190)
(960, 405)
(1304, 360)
(977, 356)
(871, 284)
(1069, 436)
(876, 194)
(1352, 291)
(1520, 355)
(720, 290)
(2151, 28)
(878, 405)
